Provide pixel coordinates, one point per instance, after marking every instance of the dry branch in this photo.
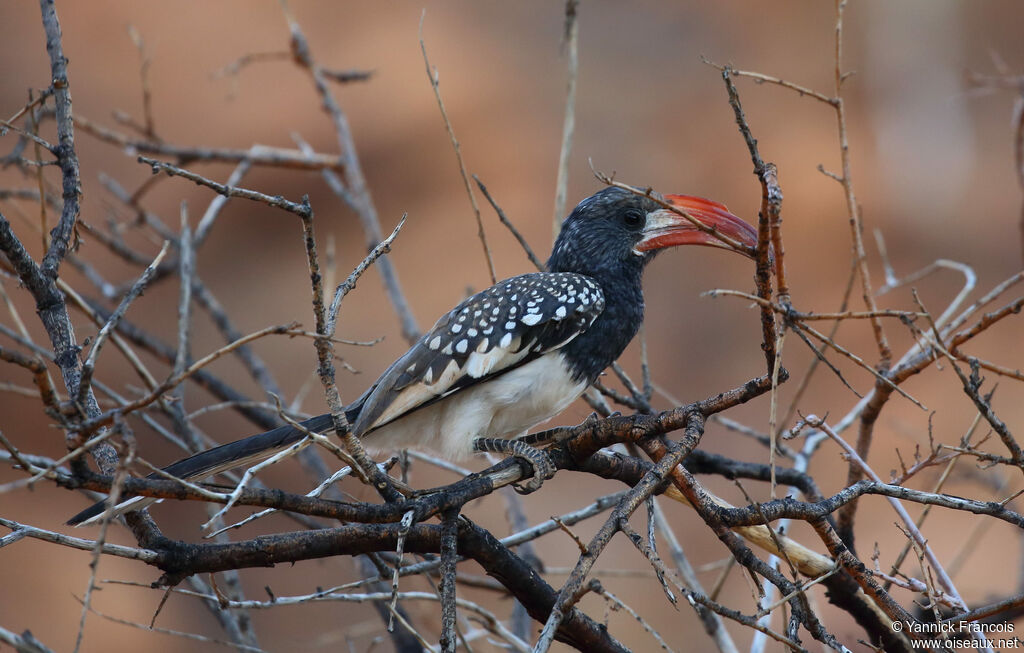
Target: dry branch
(651, 452)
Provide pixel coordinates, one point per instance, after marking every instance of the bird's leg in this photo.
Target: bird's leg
(541, 438)
(543, 467)
(561, 433)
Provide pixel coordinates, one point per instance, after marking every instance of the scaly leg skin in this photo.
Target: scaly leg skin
(560, 433)
(543, 468)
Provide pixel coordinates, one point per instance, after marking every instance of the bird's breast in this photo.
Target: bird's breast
(504, 406)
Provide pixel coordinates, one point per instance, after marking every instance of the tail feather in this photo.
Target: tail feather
(246, 451)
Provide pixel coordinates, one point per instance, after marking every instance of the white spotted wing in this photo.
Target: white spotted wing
(496, 330)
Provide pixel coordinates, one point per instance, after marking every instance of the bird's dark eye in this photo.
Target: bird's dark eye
(633, 218)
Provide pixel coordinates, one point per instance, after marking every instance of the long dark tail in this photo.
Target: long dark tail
(247, 451)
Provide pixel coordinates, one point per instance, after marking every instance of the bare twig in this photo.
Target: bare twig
(944, 579)
(115, 317)
(449, 554)
(769, 79)
(853, 207)
(349, 284)
(508, 224)
(261, 155)
(175, 379)
(149, 126)
(355, 193)
(571, 43)
(435, 84)
(300, 209)
(570, 592)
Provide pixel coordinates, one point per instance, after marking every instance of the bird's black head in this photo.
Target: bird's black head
(601, 232)
(616, 232)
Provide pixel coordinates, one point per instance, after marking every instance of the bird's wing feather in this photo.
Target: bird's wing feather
(492, 332)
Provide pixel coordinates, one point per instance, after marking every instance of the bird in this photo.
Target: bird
(512, 356)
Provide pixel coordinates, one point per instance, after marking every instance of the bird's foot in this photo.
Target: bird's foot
(593, 418)
(560, 433)
(543, 467)
(589, 423)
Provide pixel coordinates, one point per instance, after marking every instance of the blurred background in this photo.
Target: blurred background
(933, 169)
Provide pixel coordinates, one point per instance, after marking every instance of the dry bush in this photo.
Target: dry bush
(122, 379)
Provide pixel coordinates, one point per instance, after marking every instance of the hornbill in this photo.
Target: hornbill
(514, 355)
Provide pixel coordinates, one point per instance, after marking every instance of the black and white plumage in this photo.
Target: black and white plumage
(516, 354)
(489, 367)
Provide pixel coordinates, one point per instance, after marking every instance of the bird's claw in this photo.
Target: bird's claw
(543, 467)
(529, 487)
(591, 420)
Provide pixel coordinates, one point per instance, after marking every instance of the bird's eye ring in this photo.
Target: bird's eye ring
(633, 218)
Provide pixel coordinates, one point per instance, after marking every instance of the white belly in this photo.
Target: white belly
(504, 407)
